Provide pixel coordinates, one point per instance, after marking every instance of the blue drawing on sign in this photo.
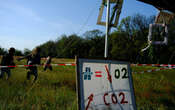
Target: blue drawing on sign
(87, 73)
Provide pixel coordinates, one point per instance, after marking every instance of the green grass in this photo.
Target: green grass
(156, 90)
(56, 90)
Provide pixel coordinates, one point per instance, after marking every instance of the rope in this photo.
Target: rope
(88, 17)
(63, 64)
(161, 65)
(74, 64)
(153, 70)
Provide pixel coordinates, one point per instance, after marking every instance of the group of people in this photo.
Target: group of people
(33, 59)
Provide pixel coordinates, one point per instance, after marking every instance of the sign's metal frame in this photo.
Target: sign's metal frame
(80, 87)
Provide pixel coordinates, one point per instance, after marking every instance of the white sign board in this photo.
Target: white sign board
(104, 85)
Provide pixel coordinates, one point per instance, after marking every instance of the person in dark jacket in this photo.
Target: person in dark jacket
(47, 64)
(33, 60)
(7, 60)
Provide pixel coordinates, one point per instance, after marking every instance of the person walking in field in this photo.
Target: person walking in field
(33, 60)
(7, 60)
(47, 64)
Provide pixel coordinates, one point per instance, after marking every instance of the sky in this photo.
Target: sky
(29, 23)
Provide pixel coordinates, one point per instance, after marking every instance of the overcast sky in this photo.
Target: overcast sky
(28, 23)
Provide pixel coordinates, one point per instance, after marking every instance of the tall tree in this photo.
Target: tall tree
(2, 51)
(48, 48)
(18, 52)
(136, 28)
(27, 51)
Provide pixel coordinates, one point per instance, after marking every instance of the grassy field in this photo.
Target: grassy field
(56, 90)
(156, 90)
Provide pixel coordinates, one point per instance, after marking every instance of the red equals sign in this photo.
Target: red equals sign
(98, 74)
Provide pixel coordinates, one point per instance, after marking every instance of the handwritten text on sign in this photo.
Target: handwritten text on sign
(106, 86)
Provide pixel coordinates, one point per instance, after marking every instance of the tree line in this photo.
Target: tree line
(125, 43)
(17, 52)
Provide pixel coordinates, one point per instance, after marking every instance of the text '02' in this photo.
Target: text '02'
(121, 73)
